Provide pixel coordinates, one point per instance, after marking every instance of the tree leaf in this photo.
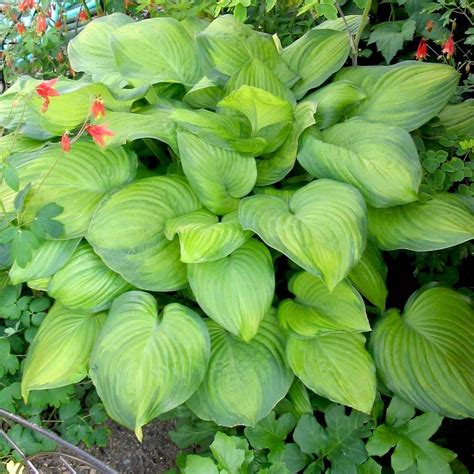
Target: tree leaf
(304, 227)
(236, 291)
(139, 251)
(59, 354)
(143, 365)
(426, 356)
(244, 380)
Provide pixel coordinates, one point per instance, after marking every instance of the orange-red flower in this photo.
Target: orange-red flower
(98, 133)
(429, 25)
(98, 108)
(58, 24)
(422, 50)
(60, 56)
(66, 141)
(41, 24)
(46, 90)
(26, 5)
(448, 46)
(20, 28)
(83, 16)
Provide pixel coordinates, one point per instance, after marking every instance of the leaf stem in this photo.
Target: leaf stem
(363, 22)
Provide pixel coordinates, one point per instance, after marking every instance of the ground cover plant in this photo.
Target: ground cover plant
(212, 246)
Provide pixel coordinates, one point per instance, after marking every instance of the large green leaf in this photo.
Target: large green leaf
(442, 222)
(379, 160)
(202, 238)
(59, 354)
(336, 366)
(369, 275)
(17, 143)
(218, 176)
(127, 231)
(236, 291)
(86, 283)
(315, 311)
(315, 57)
(426, 355)
(47, 259)
(76, 181)
(322, 227)
(156, 50)
(90, 50)
(205, 94)
(144, 364)
(454, 119)
(273, 167)
(407, 94)
(244, 380)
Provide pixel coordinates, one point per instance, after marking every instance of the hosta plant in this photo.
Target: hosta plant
(226, 239)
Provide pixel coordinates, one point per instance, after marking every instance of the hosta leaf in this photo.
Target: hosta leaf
(336, 366)
(334, 101)
(407, 94)
(379, 160)
(315, 311)
(144, 364)
(77, 182)
(454, 119)
(236, 291)
(218, 176)
(369, 275)
(139, 250)
(426, 356)
(205, 94)
(244, 380)
(352, 22)
(17, 143)
(90, 50)
(270, 117)
(202, 238)
(304, 227)
(228, 45)
(59, 354)
(86, 283)
(47, 259)
(442, 222)
(156, 50)
(273, 167)
(315, 57)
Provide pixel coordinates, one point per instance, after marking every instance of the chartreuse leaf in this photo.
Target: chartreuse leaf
(244, 380)
(199, 465)
(407, 94)
(59, 354)
(369, 275)
(270, 116)
(458, 119)
(47, 259)
(273, 167)
(202, 238)
(353, 22)
(231, 452)
(236, 291)
(228, 45)
(303, 228)
(334, 101)
(85, 282)
(413, 450)
(218, 176)
(77, 182)
(442, 222)
(426, 356)
(17, 143)
(156, 50)
(90, 50)
(336, 366)
(144, 364)
(381, 161)
(139, 250)
(315, 311)
(205, 94)
(315, 57)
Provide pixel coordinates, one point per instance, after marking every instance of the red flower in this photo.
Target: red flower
(83, 16)
(65, 141)
(422, 50)
(429, 25)
(20, 28)
(60, 56)
(98, 108)
(41, 24)
(448, 46)
(98, 133)
(46, 90)
(26, 5)
(58, 24)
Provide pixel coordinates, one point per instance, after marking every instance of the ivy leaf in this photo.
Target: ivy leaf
(390, 36)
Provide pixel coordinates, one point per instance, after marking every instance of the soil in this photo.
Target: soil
(124, 453)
